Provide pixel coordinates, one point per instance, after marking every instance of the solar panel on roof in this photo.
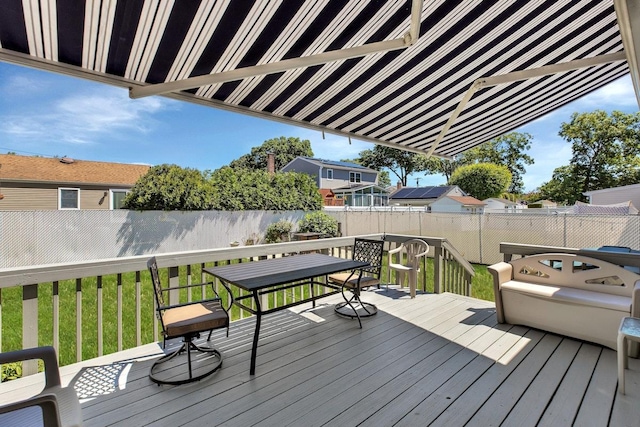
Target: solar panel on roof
(420, 192)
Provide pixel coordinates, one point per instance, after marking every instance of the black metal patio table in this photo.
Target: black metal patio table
(276, 274)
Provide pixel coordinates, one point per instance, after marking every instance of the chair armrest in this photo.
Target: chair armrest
(396, 250)
(173, 288)
(48, 356)
(635, 300)
(501, 272)
(48, 404)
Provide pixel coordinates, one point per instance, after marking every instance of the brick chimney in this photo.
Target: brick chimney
(399, 185)
(271, 163)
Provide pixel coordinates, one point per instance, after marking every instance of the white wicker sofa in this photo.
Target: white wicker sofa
(567, 294)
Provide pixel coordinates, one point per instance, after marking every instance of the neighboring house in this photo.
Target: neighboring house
(329, 198)
(457, 204)
(40, 183)
(610, 196)
(502, 205)
(362, 195)
(352, 183)
(331, 174)
(423, 196)
(543, 204)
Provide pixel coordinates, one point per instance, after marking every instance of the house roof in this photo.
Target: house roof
(337, 164)
(467, 200)
(426, 76)
(606, 190)
(501, 200)
(67, 171)
(432, 192)
(356, 187)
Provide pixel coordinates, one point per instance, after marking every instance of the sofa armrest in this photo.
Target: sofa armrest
(635, 300)
(501, 272)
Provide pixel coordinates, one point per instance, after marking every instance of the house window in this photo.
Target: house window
(68, 198)
(329, 173)
(117, 197)
(354, 177)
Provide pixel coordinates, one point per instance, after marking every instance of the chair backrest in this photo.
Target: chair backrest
(415, 249)
(369, 251)
(152, 265)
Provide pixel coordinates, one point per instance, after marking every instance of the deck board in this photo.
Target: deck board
(438, 360)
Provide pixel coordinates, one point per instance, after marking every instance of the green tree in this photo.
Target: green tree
(400, 162)
(605, 151)
(508, 150)
(437, 165)
(241, 189)
(284, 150)
(562, 188)
(482, 180)
(170, 187)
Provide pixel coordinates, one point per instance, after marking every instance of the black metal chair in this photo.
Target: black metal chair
(187, 321)
(369, 251)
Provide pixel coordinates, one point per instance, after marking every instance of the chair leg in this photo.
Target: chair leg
(412, 283)
(187, 345)
(353, 303)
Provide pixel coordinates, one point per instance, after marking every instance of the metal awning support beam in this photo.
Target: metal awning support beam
(407, 40)
(628, 15)
(519, 76)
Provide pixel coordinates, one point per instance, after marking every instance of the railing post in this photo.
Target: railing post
(139, 311)
(29, 326)
(437, 269)
(100, 317)
(78, 320)
(174, 294)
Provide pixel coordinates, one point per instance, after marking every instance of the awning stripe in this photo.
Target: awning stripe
(401, 97)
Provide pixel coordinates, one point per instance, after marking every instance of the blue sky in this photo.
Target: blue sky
(47, 114)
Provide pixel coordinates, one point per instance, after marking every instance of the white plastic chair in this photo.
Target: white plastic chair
(53, 406)
(405, 261)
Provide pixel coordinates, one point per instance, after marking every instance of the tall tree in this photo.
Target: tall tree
(562, 188)
(605, 150)
(284, 150)
(508, 150)
(438, 165)
(482, 180)
(400, 162)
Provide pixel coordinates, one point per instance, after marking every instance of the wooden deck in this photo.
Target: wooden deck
(436, 360)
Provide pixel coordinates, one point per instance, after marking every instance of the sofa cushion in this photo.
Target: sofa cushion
(570, 295)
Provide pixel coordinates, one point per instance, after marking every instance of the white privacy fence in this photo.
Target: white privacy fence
(477, 237)
(51, 237)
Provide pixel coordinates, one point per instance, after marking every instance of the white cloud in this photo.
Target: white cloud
(86, 117)
(616, 95)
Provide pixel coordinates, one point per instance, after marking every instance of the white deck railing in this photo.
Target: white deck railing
(42, 287)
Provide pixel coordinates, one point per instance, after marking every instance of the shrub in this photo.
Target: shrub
(318, 222)
(276, 231)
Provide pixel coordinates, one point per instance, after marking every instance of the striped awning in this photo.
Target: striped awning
(440, 76)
